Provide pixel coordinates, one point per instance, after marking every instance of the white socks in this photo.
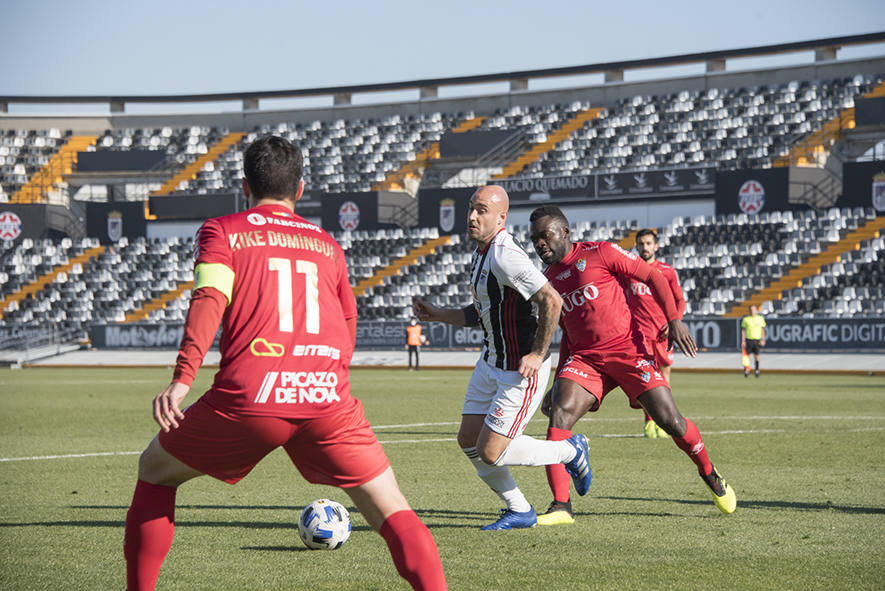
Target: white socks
(498, 478)
(528, 451)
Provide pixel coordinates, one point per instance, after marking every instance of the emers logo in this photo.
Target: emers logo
(299, 387)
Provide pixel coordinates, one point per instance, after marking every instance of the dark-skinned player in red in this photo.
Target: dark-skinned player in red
(602, 349)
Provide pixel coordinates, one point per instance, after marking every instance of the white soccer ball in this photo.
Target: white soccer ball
(324, 525)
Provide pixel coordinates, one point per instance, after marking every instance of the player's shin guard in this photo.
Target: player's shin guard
(150, 525)
(498, 479)
(692, 444)
(414, 551)
(557, 477)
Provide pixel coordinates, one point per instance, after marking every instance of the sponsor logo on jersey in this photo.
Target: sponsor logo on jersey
(298, 387)
(640, 289)
(564, 275)
(316, 351)
(256, 219)
(579, 297)
(751, 197)
(879, 191)
(263, 348)
(575, 371)
(581, 265)
(495, 420)
(10, 225)
(645, 364)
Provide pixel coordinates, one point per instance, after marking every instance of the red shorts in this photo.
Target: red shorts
(658, 350)
(599, 374)
(339, 450)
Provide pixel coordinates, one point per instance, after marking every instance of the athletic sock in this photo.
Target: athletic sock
(757, 365)
(528, 451)
(647, 416)
(692, 444)
(557, 477)
(500, 481)
(414, 551)
(150, 526)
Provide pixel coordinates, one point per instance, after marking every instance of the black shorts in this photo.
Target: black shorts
(753, 347)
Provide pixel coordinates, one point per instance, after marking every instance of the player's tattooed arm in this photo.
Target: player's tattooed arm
(549, 305)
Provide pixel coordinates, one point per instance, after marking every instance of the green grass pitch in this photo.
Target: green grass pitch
(805, 454)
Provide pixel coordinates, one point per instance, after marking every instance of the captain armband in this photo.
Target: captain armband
(471, 316)
(216, 275)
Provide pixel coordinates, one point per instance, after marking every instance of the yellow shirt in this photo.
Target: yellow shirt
(752, 327)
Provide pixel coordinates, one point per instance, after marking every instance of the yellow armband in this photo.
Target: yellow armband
(216, 275)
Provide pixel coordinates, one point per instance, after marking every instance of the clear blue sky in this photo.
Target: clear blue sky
(182, 46)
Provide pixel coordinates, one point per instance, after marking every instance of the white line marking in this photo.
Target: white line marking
(449, 439)
(67, 456)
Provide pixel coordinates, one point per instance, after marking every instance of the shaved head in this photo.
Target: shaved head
(496, 196)
(487, 213)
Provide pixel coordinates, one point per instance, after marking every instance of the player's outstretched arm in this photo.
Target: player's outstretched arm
(549, 305)
(167, 412)
(679, 334)
(427, 312)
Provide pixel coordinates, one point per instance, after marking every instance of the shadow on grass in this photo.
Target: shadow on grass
(276, 548)
(121, 524)
(759, 504)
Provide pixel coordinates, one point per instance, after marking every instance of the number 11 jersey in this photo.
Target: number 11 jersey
(285, 344)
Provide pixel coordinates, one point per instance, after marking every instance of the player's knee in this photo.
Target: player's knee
(466, 440)
(488, 455)
(673, 424)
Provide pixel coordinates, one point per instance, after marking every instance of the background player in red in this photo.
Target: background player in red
(602, 348)
(279, 286)
(650, 316)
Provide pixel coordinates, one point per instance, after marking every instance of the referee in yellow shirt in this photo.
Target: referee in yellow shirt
(752, 336)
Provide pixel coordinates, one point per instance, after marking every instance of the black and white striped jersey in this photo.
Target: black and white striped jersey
(503, 279)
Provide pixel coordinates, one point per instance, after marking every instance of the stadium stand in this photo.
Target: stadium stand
(803, 263)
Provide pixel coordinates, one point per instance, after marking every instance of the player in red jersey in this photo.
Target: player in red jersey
(280, 289)
(650, 316)
(602, 349)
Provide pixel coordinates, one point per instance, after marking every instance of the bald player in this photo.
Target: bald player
(511, 374)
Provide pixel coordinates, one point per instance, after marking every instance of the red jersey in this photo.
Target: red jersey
(645, 309)
(595, 317)
(285, 346)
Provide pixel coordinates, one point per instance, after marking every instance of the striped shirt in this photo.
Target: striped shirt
(503, 279)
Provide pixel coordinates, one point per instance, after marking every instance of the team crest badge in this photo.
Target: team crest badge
(879, 191)
(115, 225)
(581, 265)
(447, 215)
(751, 197)
(10, 225)
(349, 216)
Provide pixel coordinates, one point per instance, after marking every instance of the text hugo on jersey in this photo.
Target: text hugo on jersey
(578, 297)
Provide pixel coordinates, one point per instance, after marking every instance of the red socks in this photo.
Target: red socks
(150, 525)
(692, 444)
(647, 416)
(414, 551)
(557, 477)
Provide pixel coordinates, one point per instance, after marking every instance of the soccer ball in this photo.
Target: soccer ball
(324, 525)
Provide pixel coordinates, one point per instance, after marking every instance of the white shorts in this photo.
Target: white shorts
(506, 398)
